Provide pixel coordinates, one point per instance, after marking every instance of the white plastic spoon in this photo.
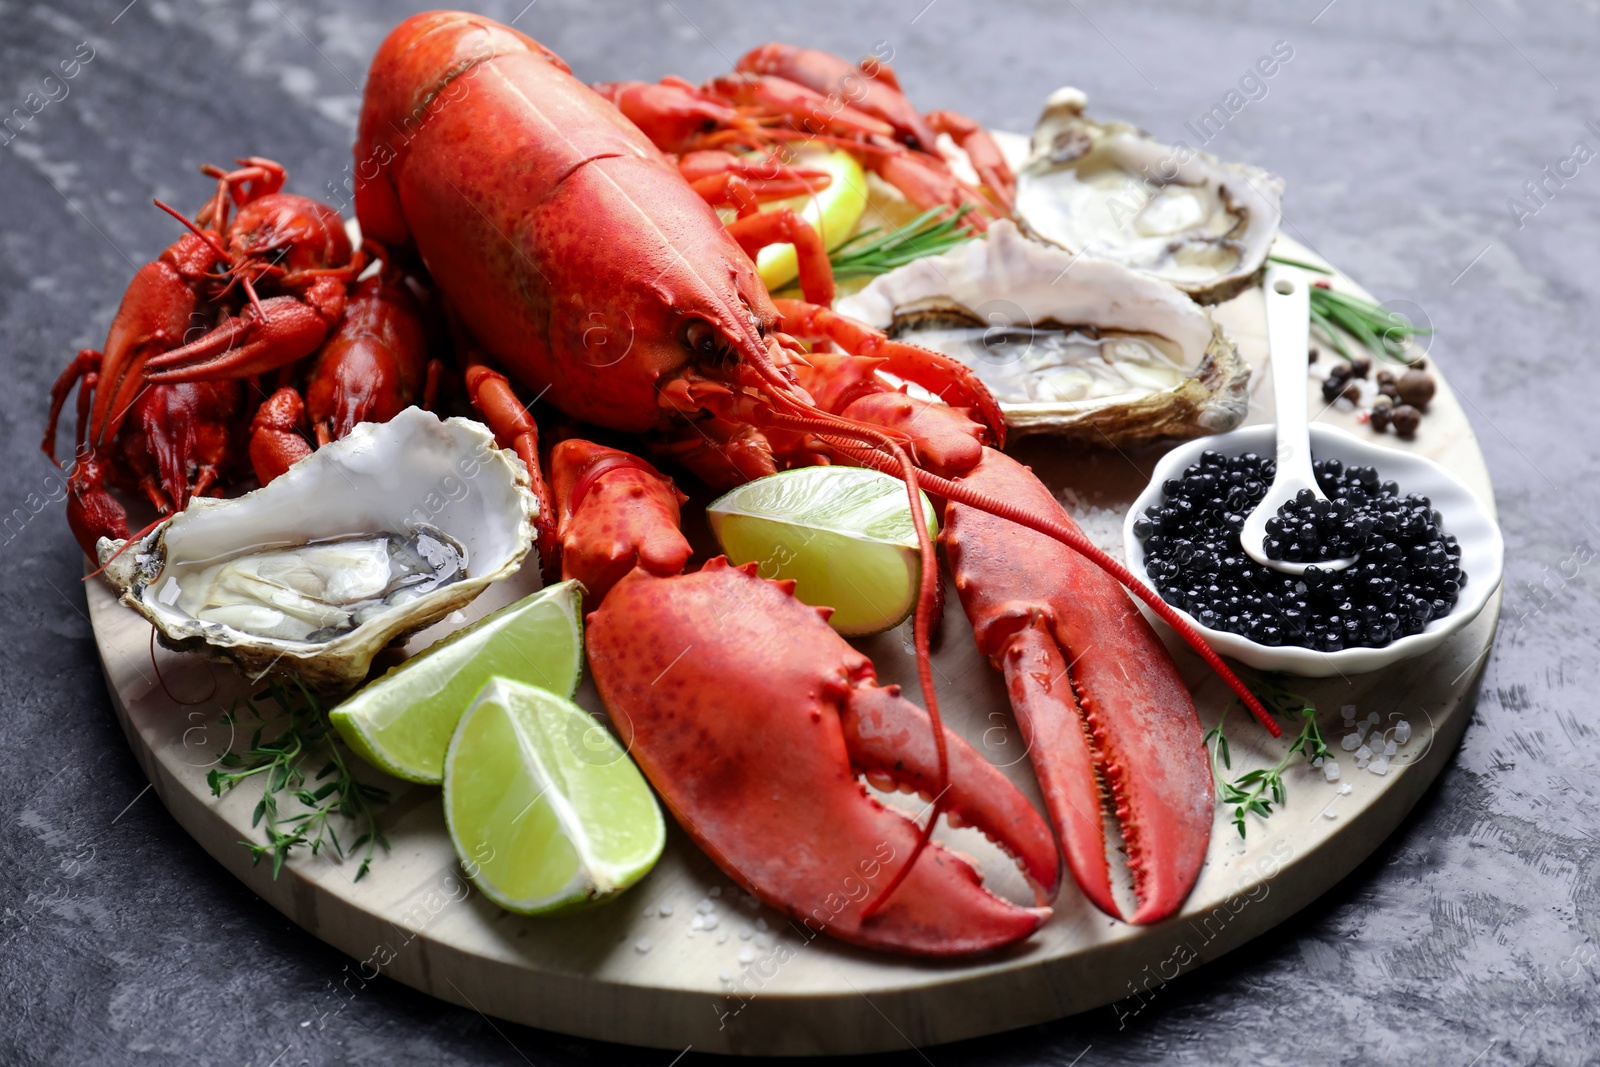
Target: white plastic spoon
(1288, 300)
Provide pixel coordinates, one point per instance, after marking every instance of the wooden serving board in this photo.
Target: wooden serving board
(638, 971)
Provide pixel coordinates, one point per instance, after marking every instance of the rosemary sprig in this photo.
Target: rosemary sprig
(867, 253)
(1258, 790)
(1336, 314)
(302, 735)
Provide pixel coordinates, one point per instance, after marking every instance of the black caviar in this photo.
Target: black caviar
(1409, 570)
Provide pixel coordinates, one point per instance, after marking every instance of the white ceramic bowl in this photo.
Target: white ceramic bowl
(1464, 516)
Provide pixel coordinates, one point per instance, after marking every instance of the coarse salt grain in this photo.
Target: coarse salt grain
(764, 940)
(1389, 748)
(745, 932)
(643, 945)
(664, 910)
(1317, 762)
(697, 923)
(1373, 718)
(1349, 712)
(726, 975)
(1363, 752)
(761, 924)
(747, 955)
(1346, 788)
(711, 921)
(1330, 770)
(1350, 742)
(722, 937)
(650, 912)
(1362, 728)
(705, 906)
(1330, 812)
(1379, 766)
(1402, 731)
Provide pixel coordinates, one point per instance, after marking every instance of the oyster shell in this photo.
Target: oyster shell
(1072, 345)
(366, 540)
(1109, 190)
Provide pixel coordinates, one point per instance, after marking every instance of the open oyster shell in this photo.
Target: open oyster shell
(1070, 345)
(363, 542)
(1109, 190)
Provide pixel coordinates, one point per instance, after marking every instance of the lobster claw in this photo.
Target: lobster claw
(752, 719)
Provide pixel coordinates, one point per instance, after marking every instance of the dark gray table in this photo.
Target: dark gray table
(1408, 135)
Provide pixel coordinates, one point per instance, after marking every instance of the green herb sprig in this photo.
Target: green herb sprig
(1335, 315)
(301, 735)
(867, 253)
(1255, 792)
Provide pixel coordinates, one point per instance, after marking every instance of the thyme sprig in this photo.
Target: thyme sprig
(867, 253)
(1255, 792)
(1337, 315)
(301, 736)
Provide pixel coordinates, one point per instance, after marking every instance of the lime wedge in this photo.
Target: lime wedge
(545, 809)
(834, 212)
(843, 534)
(401, 723)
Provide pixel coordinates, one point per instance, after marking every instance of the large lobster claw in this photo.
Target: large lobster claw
(752, 719)
(1099, 702)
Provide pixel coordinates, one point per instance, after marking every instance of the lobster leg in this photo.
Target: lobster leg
(514, 428)
(783, 226)
(985, 156)
(86, 367)
(617, 512)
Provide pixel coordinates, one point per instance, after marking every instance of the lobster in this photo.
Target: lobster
(589, 269)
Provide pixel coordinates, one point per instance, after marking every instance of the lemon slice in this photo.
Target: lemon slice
(401, 723)
(843, 534)
(833, 212)
(545, 809)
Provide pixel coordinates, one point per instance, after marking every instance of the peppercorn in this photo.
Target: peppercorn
(1360, 367)
(1313, 355)
(1385, 376)
(1390, 390)
(1416, 388)
(1405, 419)
(1379, 418)
(1351, 392)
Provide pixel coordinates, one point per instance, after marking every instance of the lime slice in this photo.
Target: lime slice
(834, 212)
(843, 534)
(545, 809)
(401, 723)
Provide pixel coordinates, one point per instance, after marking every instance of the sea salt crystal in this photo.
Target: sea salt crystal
(1362, 728)
(665, 910)
(746, 932)
(643, 945)
(1363, 752)
(747, 955)
(761, 924)
(1330, 812)
(1373, 718)
(764, 940)
(705, 907)
(1389, 748)
(1379, 766)
(1349, 712)
(1402, 731)
(650, 912)
(711, 921)
(1330, 770)
(697, 923)
(722, 937)
(1346, 788)
(726, 976)
(1317, 762)
(1350, 742)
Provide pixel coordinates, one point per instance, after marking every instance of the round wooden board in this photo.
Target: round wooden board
(625, 972)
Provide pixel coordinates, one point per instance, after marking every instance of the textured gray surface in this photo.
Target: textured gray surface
(1402, 130)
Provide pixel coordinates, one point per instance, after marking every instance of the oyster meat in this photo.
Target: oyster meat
(1068, 344)
(1107, 189)
(365, 541)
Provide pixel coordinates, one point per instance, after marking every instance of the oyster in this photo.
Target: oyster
(1109, 190)
(365, 541)
(1068, 344)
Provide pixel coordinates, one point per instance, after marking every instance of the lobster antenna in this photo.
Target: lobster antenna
(192, 228)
